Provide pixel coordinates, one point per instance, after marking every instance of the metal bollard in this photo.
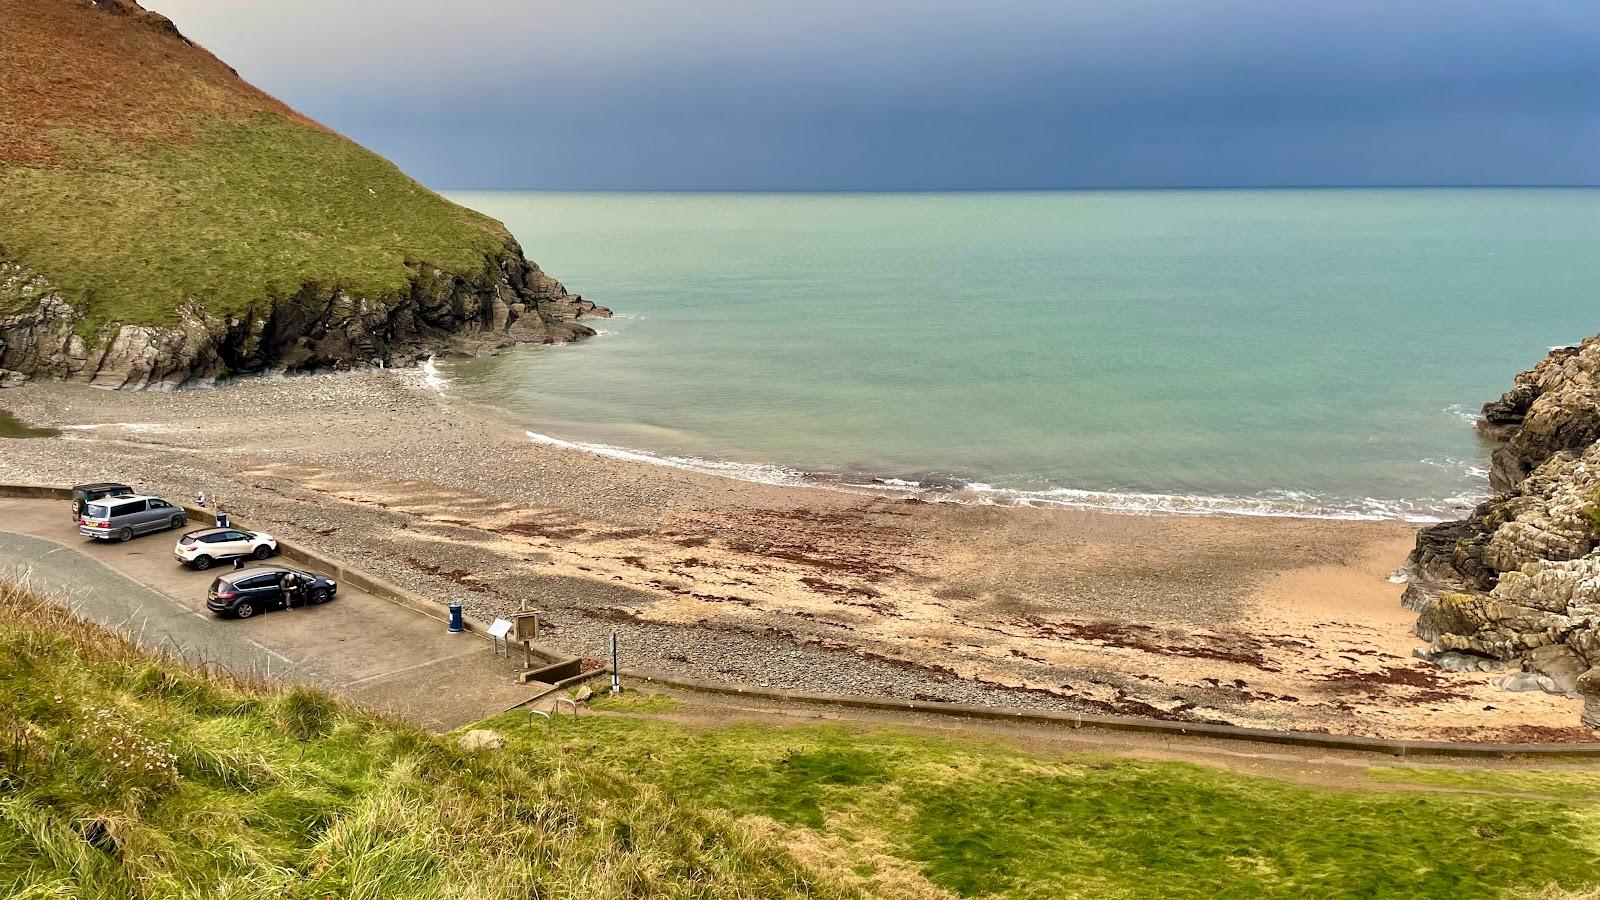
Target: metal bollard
(455, 617)
(616, 680)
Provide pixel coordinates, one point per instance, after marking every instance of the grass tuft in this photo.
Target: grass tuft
(305, 714)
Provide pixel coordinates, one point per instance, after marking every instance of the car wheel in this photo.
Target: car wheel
(320, 595)
(125, 535)
(262, 552)
(179, 521)
(202, 562)
(245, 610)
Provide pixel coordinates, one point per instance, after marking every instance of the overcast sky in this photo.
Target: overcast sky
(835, 94)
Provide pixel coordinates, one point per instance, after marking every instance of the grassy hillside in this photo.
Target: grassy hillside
(136, 170)
(124, 776)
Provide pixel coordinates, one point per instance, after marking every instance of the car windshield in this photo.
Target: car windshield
(99, 511)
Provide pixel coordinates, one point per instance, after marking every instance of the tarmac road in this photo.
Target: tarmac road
(382, 655)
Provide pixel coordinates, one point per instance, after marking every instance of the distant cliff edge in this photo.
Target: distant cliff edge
(167, 223)
(1516, 585)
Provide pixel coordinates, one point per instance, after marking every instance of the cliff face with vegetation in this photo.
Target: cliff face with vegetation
(167, 222)
(1517, 584)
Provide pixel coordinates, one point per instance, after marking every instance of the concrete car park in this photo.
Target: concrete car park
(368, 648)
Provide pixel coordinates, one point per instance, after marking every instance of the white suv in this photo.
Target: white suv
(202, 548)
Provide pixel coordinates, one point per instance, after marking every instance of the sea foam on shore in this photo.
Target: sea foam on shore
(953, 489)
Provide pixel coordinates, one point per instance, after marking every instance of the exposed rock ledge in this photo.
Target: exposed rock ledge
(510, 301)
(1518, 581)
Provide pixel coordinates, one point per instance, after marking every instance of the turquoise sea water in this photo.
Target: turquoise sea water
(1283, 351)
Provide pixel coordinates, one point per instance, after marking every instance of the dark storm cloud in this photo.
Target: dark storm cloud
(748, 94)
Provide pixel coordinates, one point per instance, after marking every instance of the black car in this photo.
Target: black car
(85, 494)
(245, 592)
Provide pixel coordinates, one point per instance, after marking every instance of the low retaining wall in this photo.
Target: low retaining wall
(422, 605)
(35, 492)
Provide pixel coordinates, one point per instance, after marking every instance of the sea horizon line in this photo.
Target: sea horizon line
(1018, 190)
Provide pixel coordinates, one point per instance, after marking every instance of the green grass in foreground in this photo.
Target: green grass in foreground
(247, 209)
(979, 820)
(122, 776)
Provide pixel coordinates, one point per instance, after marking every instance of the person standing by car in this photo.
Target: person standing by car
(292, 590)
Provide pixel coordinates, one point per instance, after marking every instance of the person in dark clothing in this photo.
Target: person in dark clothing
(238, 563)
(292, 591)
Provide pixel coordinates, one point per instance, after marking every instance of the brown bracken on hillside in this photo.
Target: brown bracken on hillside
(162, 80)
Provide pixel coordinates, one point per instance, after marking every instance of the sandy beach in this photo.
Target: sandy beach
(1270, 622)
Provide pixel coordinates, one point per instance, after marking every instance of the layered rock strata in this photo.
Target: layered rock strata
(1517, 583)
(509, 301)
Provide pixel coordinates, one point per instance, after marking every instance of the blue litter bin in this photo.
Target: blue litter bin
(455, 617)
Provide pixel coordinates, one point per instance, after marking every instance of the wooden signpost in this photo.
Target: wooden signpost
(525, 629)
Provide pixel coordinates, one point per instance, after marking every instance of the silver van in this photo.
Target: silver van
(120, 518)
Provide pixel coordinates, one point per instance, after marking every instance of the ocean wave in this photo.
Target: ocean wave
(1464, 411)
(430, 375)
(949, 489)
(1466, 467)
(1273, 504)
(756, 472)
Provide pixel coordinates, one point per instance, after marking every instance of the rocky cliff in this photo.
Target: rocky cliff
(166, 222)
(1516, 585)
(510, 301)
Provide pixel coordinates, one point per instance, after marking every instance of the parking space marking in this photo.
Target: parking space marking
(413, 667)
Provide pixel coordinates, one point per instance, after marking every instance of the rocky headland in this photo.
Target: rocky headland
(510, 301)
(166, 222)
(1516, 585)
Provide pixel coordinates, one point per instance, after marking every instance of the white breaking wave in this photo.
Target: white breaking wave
(1467, 468)
(1278, 504)
(1463, 411)
(430, 375)
(1282, 504)
(761, 474)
